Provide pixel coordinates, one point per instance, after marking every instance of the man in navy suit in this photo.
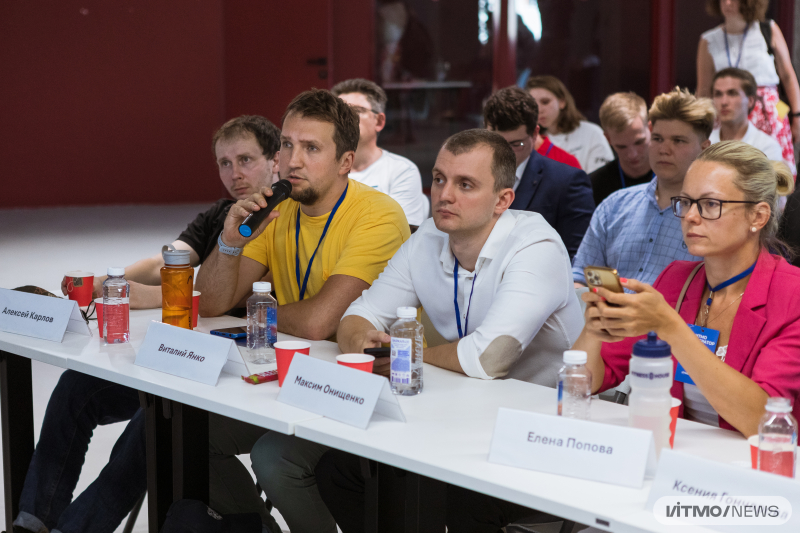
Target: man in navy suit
(560, 193)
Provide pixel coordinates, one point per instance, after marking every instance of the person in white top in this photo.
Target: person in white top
(566, 127)
(384, 171)
(741, 41)
(734, 94)
(515, 311)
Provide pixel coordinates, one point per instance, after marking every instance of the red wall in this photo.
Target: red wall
(109, 102)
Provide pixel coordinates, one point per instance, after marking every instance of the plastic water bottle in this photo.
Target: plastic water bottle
(406, 363)
(262, 324)
(651, 380)
(777, 438)
(116, 307)
(574, 386)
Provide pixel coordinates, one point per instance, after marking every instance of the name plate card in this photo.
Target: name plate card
(338, 392)
(189, 354)
(42, 317)
(722, 497)
(577, 448)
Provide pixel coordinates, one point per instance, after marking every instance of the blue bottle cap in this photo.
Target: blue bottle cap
(652, 347)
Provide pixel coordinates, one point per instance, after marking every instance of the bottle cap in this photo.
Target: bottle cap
(116, 271)
(174, 257)
(575, 357)
(779, 405)
(652, 347)
(262, 286)
(406, 312)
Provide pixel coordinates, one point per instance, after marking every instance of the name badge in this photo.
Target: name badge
(189, 354)
(338, 392)
(723, 497)
(42, 317)
(581, 449)
(709, 337)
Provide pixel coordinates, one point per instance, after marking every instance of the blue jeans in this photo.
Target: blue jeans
(77, 406)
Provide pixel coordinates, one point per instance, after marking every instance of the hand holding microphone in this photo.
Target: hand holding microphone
(245, 217)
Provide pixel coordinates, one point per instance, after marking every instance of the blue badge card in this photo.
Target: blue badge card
(707, 336)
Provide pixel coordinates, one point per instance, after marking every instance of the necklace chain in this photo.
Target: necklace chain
(708, 307)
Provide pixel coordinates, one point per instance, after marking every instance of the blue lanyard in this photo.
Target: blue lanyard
(455, 301)
(297, 244)
(548, 149)
(741, 49)
(724, 284)
(622, 174)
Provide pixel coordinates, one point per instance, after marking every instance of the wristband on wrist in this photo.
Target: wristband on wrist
(227, 250)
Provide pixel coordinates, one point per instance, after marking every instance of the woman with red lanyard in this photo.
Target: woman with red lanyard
(740, 41)
(742, 295)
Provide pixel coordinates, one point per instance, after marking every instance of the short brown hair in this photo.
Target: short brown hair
(375, 95)
(322, 105)
(569, 118)
(510, 108)
(749, 85)
(504, 162)
(751, 10)
(680, 104)
(267, 134)
(620, 109)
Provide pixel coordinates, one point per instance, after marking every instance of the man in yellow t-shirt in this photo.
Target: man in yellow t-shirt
(364, 229)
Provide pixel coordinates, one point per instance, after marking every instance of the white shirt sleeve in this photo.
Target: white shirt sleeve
(391, 290)
(599, 151)
(406, 189)
(535, 284)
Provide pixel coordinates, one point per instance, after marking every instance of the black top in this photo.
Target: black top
(605, 180)
(204, 230)
(790, 226)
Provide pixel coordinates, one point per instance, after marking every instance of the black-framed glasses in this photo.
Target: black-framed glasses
(709, 208)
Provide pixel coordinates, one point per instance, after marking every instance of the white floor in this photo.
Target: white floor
(37, 246)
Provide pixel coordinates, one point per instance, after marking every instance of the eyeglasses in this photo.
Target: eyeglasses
(363, 110)
(709, 208)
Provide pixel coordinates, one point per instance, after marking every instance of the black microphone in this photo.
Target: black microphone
(280, 192)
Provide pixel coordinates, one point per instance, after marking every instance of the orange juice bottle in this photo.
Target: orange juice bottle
(177, 284)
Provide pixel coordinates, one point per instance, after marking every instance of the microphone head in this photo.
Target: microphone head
(284, 186)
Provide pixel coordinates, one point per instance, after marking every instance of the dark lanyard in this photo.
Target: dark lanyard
(622, 174)
(297, 245)
(455, 301)
(547, 152)
(741, 49)
(724, 284)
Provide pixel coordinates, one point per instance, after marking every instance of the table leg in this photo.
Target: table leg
(189, 453)
(159, 459)
(16, 412)
(397, 501)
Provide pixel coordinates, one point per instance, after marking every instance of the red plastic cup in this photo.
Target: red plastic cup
(753, 442)
(80, 286)
(98, 306)
(359, 361)
(673, 420)
(195, 307)
(284, 353)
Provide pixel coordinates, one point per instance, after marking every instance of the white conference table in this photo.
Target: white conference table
(446, 437)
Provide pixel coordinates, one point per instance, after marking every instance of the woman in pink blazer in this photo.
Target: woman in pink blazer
(728, 209)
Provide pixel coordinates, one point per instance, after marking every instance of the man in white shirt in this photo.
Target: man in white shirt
(389, 173)
(734, 95)
(515, 310)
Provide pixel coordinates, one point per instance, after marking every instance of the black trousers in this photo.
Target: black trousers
(341, 484)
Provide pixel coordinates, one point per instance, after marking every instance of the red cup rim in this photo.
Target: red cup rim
(292, 345)
(355, 358)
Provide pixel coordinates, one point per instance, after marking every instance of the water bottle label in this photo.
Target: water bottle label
(560, 395)
(272, 325)
(401, 360)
